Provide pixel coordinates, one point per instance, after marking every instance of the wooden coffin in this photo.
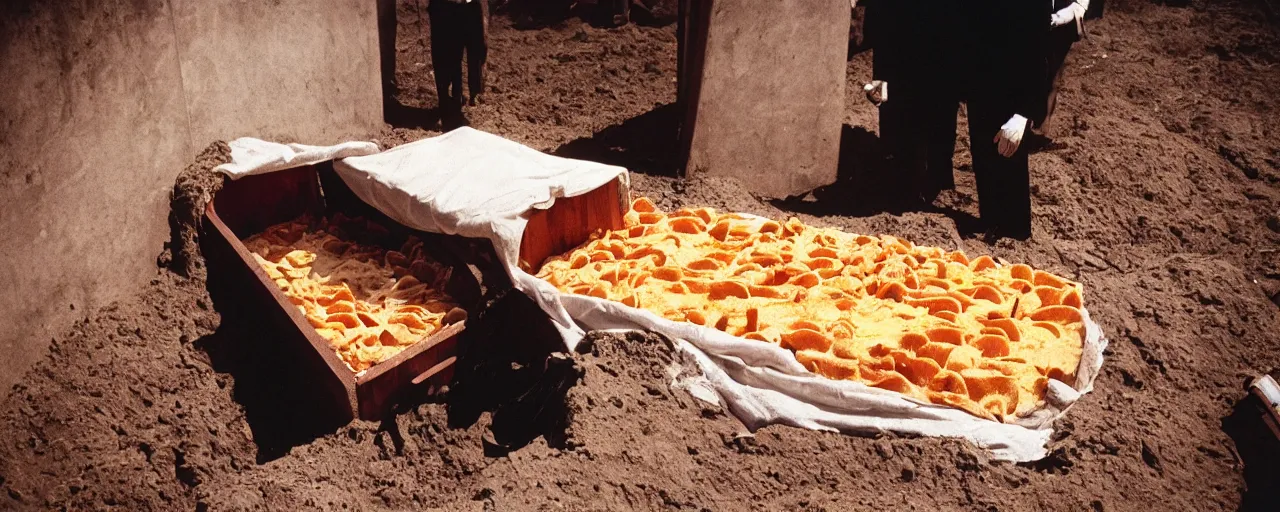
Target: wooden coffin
(246, 206)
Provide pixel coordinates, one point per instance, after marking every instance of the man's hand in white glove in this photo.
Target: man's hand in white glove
(877, 92)
(1068, 14)
(1010, 135)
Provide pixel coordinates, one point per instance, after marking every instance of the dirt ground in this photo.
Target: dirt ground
(1163, 200)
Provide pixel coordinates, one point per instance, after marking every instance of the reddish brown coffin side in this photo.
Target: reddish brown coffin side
(428, 362)
(275, 198)
(571, 221)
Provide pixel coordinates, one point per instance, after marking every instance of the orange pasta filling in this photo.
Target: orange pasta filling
(368, 302)
(934, 325)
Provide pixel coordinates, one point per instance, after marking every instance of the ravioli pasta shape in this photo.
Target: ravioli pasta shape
(368, 302)
(934, 325)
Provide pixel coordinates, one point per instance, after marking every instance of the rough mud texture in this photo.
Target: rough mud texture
(1162, 199)
(195, 187)
(123, 412)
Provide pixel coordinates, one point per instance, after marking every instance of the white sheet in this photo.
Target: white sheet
(762, 384)
(251, 156)
(475, 184)
(479, 185)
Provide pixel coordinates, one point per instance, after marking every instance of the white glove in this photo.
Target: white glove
(1010, 135)
(877, 91)
(1069, 14)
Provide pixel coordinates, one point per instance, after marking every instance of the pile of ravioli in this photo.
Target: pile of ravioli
(368, 302)
(933, 325)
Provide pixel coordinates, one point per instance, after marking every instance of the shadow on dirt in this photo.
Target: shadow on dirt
(647, 144)
(1259, 452)
(282, 404)
(537, 14)
(401, 116)
(514, 367)
(869, 182)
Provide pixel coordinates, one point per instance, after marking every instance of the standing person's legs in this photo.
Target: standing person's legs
(438, 51)
(446, 55)
(387, 52)
(457, 44)
(1004, 184)
(455, 74)
(901, 131)
(940, 144)
(477, 48)
(891, 117)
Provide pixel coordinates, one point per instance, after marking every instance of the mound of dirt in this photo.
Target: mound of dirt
(195, 187)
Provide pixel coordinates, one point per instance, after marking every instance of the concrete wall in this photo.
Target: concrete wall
(102, 103)
(769, 101)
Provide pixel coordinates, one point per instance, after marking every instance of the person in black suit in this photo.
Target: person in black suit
(917, 54)
(1007, 62)
(991, 54)
(458, 26)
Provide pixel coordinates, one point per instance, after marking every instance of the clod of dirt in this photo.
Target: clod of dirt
(1239, 160)
(192, 191)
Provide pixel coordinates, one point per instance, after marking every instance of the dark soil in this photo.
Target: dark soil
(195, 187)
(1163, 201)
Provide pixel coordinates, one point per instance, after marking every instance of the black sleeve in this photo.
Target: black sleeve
(881, 32)
(1030, 22)
(871, 13)
(873, 35)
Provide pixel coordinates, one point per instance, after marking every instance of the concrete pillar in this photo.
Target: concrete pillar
(762, 89)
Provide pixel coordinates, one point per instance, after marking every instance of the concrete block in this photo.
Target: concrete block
(763, 85)
(291, 70)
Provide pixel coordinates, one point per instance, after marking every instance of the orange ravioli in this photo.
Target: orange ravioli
(934, 325)
(369, 303)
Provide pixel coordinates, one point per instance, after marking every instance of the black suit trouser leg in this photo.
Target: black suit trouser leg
(893, 117)
(387, 48)
(901, 136)
(1004, 184)
(446, 53)
(940, 144)
(476, 46)
(920, 132)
